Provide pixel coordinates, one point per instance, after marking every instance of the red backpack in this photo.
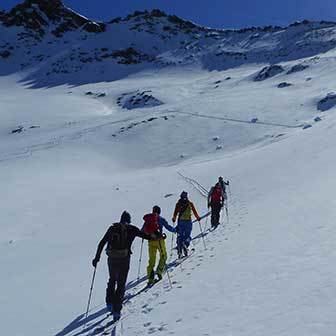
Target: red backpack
(151, 224)
(217, 194)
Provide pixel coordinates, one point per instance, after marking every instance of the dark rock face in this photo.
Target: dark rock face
(5, 54)
(131, 56)
(138, 99)
(38, 14)
(268, 72)
(284, 85)
(297, 68)
(327, 102)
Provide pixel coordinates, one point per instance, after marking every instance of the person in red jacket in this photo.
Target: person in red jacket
(216, 199)
(183, 212)
(154, 223)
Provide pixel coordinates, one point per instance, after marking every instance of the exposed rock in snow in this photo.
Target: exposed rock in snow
(268, 72)
(5, 54)
(138, 99)
(96, 94)
(18, 129)
(297, 68)
(131, 56)
(327, 102)
(284, 84)
(39, 14)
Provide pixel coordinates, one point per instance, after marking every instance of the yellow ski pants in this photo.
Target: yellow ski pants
(155, 246)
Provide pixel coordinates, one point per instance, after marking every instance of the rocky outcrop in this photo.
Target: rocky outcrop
(37, 15)
(268, 72)
(328, 102)
(297, 68)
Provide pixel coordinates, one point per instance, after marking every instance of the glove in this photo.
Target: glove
(95, 261)
(155, 235)
(227, 182)
(209, 205)
(173, 220)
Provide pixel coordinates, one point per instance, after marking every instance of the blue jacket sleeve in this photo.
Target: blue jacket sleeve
(164, 223)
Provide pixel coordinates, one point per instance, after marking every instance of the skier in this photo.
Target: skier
(119, 238)
(223, 184)
(216, 199)
(183, 210)
(154, 223)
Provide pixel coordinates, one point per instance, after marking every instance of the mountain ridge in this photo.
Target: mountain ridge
(56, 45)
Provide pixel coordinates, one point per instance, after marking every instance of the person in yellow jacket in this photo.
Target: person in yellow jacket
(183, 212)
(154, 223)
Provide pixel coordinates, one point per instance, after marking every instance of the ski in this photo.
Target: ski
(106, 328)
(101, 329)
(112, 324)
(185, 257)
(112, 328)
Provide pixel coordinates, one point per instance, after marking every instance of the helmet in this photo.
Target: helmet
(220, 179)
(156, 209)
(125, 218)
(184, 195)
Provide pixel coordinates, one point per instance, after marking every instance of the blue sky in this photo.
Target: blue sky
(212, 13)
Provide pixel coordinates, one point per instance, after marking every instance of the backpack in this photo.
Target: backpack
(183, 206)
(151, 224)
(217, 194)
(118, 241)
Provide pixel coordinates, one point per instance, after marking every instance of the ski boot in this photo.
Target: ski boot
(116, 316)
(109, 308)
(185, 250)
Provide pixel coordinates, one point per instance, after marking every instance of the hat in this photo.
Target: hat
(125, 218)
(156, 209)
(184, 195)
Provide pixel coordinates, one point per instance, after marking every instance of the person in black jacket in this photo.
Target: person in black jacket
(119, 238)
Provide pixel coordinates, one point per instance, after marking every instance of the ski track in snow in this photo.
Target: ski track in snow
(61, 140)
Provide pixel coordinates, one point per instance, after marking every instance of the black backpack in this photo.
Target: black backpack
(118, 241)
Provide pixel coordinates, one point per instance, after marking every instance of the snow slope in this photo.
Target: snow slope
(62, 185)
(81, 159)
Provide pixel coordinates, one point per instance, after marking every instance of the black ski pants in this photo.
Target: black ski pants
(215, 213)
(118, 270)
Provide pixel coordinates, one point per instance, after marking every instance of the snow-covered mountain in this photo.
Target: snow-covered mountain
(60, 46)
(96, 118)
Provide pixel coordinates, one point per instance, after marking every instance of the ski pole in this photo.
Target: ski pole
(171, 246)
(166, 267)
(229, 190)
(91, 289)
(199, 222)
(226, 204)
(140, 258)
(206, 223)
